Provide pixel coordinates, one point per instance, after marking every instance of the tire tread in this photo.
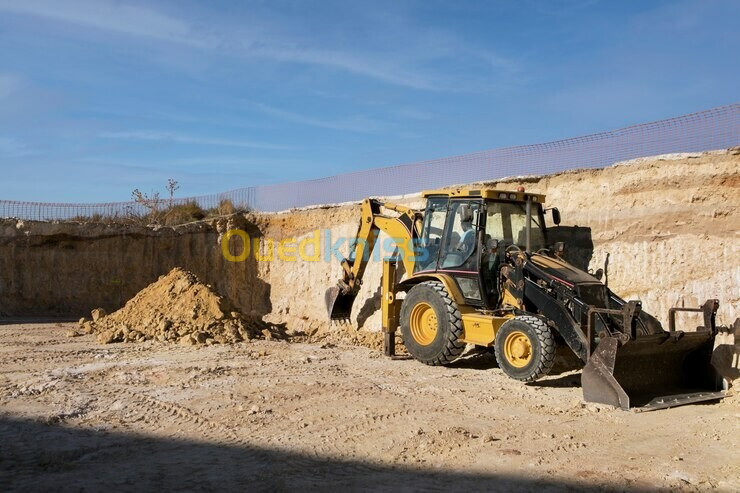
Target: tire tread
(547, 344)
(453, 345)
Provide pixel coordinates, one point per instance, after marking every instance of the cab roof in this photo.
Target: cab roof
(486, 193)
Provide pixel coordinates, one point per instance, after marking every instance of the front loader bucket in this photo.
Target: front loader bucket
(652, 372)
(338, 305)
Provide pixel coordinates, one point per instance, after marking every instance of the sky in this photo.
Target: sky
(98, 97)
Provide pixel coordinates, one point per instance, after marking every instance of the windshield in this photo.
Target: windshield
(431, 236)
(507, 221)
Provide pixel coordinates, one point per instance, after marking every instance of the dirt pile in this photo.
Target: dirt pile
(177, 307)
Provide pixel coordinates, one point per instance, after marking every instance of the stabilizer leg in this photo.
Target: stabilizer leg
(388, 306)
(389, 344)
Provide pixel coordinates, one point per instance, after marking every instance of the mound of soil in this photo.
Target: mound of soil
(178, 307)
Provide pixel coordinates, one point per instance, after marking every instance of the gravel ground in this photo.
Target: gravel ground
(273, 415)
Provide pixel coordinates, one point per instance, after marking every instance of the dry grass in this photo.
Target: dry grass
(159, 213)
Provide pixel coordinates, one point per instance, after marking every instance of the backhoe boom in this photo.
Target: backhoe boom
(402, 230)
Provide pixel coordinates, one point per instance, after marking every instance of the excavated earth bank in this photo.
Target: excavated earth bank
(665, 227)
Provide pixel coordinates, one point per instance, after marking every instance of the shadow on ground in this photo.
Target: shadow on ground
(477, 360)
(562, 381)
(36, 320)
(42, 457)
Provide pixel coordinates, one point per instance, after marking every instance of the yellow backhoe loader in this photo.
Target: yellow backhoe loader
(479, 270)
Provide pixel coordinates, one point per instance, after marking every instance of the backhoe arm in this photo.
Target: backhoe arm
(402, 230)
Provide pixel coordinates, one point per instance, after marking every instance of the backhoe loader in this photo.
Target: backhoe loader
(479, 270)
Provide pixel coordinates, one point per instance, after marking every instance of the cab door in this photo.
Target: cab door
(460, 249)
(432, 232)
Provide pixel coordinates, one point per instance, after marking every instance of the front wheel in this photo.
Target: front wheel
(431, 324)
(525, 348)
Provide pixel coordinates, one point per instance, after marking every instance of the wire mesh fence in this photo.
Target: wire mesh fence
(242, 198)
(716, 128)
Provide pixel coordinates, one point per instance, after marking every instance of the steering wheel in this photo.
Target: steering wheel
(513, 247)
(512, 251)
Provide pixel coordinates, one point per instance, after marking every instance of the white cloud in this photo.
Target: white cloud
(108, 16)
(119, 18)
(354, 124)
(147, 135)
(397, 65)
(356, 63)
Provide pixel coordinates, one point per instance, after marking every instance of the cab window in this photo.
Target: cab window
(459, 251)
(507, 223)
(431, 233)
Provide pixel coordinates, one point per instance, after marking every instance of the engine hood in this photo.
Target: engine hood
(560, 270)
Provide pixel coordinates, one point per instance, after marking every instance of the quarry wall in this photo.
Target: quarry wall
(669, 225)
(66, 269)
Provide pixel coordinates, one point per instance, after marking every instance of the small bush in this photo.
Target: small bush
(152, 209)
(183, 213)
(95, 218)
(225, 207)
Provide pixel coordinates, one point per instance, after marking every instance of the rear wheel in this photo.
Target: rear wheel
(525, 348)
(431, 324)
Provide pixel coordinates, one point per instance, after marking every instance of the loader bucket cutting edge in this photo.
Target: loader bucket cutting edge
(652, 372)
(338, 305)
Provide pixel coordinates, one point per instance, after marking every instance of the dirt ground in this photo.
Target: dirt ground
(271, 416)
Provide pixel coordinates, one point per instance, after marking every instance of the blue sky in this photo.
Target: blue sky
(103, 96)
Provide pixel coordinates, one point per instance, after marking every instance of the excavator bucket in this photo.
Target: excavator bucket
(652, 371)
(338, 304)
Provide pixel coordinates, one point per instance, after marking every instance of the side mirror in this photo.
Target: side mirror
(599, 273)
(476, 219)
(555, 216)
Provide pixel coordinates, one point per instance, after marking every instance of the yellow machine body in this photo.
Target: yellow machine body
(630, 360)
(479, 328)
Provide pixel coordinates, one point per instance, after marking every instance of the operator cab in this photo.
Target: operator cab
(465, 231)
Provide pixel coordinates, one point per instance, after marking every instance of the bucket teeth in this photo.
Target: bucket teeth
(652, 372)
(338, 304)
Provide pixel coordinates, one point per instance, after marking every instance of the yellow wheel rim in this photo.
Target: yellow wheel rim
(518, 349)
(423, 323)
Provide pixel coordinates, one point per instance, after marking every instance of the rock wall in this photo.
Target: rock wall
(669, 226)
(49, 269)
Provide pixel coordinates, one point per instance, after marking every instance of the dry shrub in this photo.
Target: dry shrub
(225, 207)
(183, 213)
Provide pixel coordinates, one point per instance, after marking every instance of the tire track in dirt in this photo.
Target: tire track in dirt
(151, 406)
(339, 417)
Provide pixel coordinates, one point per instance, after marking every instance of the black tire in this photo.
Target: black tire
(446, 345)
(541, 350)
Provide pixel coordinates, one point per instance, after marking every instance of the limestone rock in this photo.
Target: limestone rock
(97, 314)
